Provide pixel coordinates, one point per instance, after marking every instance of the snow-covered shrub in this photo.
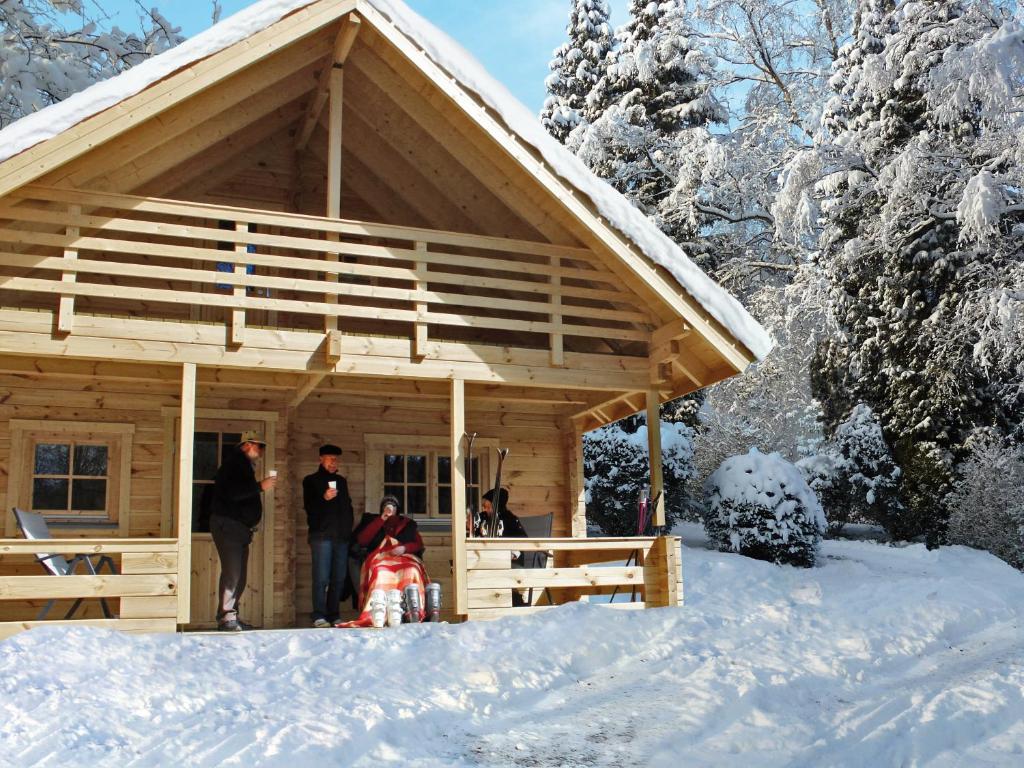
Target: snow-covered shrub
(616, 471)
(865, 481)
(760, 506)
(987, 502)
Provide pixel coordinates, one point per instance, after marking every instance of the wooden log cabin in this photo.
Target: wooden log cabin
(323, 221)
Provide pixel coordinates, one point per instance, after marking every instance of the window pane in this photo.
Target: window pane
(398, 491)
(444, 500)
(444, 470)
(394, 469)
(91, 460)
(52, 459)
(49, 494)
(417, 469)
(417, 501)
(228, 444)
(204, 456)
(89, 495)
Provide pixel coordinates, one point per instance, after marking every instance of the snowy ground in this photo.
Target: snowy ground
(879, 657)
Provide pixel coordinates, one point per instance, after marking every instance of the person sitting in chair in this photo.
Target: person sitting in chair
(392, 564)
(508, 526)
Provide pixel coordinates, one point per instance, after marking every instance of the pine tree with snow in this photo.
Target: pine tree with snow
(576, 66)
(918, 182)
(617, 474)
(865, 480)
(645, 128)
(50, 49)
(760, 506)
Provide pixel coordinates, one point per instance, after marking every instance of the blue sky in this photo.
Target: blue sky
(512, 38)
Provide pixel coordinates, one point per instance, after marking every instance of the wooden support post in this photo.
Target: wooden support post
(342, 45)
(577, 492)
(66, 308)
(336, 83)
(459, 561)
(237, 336)
(654, 455)
(186, 437)
(419, 342)
(557, 346)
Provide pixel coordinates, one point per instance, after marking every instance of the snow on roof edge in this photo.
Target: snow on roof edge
(451, 57)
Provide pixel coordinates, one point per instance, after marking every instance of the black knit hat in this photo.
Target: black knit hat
(502, 498)
(330, 450)
(392, 501)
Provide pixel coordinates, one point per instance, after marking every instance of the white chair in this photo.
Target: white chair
(33, 526)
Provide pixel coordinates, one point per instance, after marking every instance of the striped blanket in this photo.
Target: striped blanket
(383, 570)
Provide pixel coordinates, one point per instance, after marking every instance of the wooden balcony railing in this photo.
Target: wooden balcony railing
(110, 254)
(146, 583)
(644, 571)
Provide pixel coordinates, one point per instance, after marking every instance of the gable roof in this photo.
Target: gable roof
(393, 16)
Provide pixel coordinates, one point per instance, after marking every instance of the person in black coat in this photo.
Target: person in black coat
(237, 509)
(329, 517)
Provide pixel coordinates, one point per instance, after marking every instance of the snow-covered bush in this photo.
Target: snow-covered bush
(760, 506)
(987, 502)
(865, 481)
(616, 471)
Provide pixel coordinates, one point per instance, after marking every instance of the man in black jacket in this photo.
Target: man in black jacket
(236, 511)
(329, 516)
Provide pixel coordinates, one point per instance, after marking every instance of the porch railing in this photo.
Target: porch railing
(146, 582)
(644, 572)
(107, 253)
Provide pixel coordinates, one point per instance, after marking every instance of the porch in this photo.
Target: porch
(218, 313)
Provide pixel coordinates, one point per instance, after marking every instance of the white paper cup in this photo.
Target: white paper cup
(273, 473)
(332, 484)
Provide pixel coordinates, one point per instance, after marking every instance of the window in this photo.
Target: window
(72, 472)
(418, 471)
(209, 449)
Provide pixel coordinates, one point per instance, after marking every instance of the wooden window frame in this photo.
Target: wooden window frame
(379, 446)
(118, 437)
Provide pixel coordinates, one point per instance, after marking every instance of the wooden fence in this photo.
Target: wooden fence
(646, 569)
(146, 585)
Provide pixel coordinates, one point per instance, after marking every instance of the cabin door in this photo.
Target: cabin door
(214, 438)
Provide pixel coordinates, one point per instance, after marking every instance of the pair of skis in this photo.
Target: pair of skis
(475, 515)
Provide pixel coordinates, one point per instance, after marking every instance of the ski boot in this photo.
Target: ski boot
(433, 602)
(378, 607)
(394, 607)
(412, 605)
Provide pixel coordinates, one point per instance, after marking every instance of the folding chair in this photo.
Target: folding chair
(537, 527)
(34, 527)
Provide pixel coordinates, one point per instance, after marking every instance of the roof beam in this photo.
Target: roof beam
(350, 26)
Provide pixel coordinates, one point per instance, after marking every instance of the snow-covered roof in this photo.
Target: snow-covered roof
(470, 75)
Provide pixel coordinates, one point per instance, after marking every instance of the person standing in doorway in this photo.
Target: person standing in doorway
(329, 516)
(236, 512)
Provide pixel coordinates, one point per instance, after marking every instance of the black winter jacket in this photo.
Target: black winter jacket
(237, 493)
(327, 519)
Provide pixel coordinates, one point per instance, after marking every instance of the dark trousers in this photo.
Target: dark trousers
(232, 540)
(330, 565)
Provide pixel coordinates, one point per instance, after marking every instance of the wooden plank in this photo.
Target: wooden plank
(342, 45)
(573, 443)
(419, 342)
(477, 560)
(524, 578)
(57, 587)
(186, 438)
(10, 628)
(624, 544)
(236, 336)
(489, 598)
(456, 446)
(162, 607)
(66, 307)
(486, 614)
(85, 546)
(149, 562)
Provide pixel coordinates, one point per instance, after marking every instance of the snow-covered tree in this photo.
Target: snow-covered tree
(987, 501)
(617, 474)
(645, 128)
(865, 480)
(916, 238)
(760, 506)
(576, 66)
(50, 49)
